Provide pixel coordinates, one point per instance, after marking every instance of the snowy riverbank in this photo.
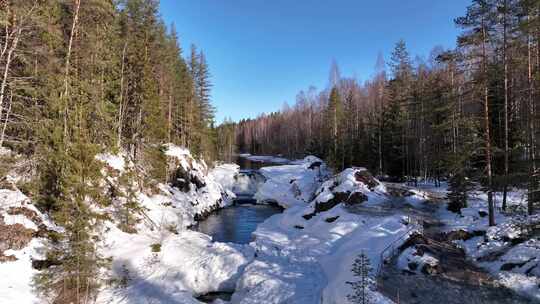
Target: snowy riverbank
(303, 255)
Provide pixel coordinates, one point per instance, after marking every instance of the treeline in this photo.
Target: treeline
(79, 77)
(469, 114)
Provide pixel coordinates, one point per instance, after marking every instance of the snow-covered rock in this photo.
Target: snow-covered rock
(294, 184)
(415, 260)
(352, 186)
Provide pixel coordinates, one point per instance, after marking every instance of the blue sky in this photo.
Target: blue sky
(262, 52)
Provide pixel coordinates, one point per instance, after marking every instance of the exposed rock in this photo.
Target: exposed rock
(14, 236)
(30, 214)
(309, 216)
(43, 264)
(509, 266)
(431, 269)
(315, 165)
(7, 258)
(367, 178)
(298, 227)
(458, 235)
(341, 197)
(399, 192)
(331, 219)
(414, 239)
(182, 179)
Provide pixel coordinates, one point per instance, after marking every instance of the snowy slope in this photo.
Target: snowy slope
(158, 261)
(22, 227)
(164, 262)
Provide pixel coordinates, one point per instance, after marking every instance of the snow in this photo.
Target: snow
(309, 261)
(176, 151)
(16, 276)
(225, 175)
(294, 258)
(187, 264)
(290, 185)
(411, 255)
(116, 162)
(505, 251)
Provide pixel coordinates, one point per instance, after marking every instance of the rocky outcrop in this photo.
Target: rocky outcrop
(347, 198)
(353, 186)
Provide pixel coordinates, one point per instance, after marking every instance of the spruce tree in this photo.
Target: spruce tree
(361, 268)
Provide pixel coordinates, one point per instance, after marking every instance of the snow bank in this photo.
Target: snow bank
(225, 175)
(170, 268)
(195, 192)
(291, 185)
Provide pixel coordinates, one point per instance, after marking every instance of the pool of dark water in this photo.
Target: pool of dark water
(236, 224)
(247, 164)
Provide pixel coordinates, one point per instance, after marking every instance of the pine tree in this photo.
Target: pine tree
(361, 268)
(479, 22)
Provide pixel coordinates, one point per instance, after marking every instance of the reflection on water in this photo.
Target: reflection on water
(236, 223)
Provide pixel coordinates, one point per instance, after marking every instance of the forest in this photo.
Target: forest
(468, 114)
(79, 77)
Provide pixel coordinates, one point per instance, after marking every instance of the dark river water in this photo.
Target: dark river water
(236, 224)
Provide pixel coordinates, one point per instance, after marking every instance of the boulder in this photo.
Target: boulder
(341, 197)
(182, 179)
(367, 178)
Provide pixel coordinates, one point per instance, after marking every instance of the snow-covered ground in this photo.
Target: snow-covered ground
(306, 257)
(20, 243)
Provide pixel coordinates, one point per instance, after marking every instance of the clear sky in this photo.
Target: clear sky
(262, 52)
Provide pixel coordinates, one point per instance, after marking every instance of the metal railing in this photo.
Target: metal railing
(390, 251)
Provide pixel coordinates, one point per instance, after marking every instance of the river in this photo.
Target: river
(236, 224)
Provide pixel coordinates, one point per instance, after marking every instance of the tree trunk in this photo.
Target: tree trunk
(533, 184)
(9, 59)
(121, 105)
(505, 62)
(491, 209)
(2, 136)
(68, 62)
